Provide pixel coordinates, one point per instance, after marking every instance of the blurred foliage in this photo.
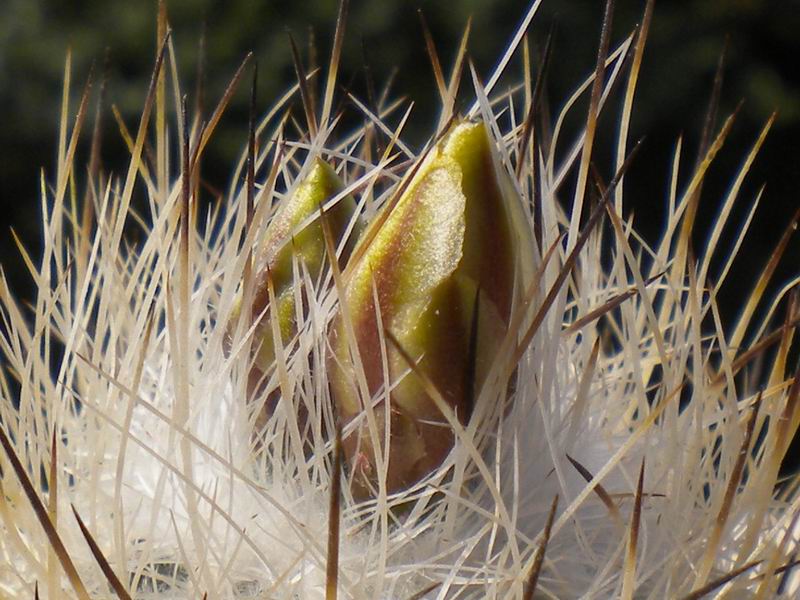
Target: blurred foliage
(686, 39)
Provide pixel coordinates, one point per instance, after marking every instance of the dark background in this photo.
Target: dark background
(685, 42)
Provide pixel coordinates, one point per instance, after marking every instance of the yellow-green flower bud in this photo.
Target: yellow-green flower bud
(307, 246)
(454, 237)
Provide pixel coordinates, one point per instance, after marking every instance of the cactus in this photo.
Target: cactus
(498, 391)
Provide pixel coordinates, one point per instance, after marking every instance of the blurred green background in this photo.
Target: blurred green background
(686, 39)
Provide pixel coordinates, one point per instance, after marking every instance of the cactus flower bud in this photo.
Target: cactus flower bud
(454, 238)
(308, 247)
